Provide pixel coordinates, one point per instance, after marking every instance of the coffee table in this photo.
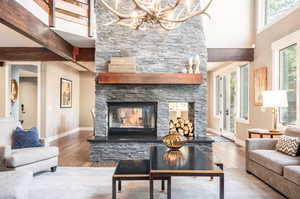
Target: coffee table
(188, 161)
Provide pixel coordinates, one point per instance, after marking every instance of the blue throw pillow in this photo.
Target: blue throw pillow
(26, 139)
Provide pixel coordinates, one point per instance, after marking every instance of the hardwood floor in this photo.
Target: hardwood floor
(74, 151)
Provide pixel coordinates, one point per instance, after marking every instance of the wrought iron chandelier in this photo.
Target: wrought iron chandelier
(137, 14)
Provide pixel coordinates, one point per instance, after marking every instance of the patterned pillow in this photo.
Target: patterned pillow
(288, 145)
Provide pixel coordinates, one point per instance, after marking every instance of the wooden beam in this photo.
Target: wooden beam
(230, 54)
(52, 13)
(21, 20)
(28, 54)
(86, 54)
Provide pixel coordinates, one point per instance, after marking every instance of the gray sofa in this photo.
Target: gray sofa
(32, 159)
(280, 171)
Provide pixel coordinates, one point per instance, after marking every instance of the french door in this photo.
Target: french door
(228, 109)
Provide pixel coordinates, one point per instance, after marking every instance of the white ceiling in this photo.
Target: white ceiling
(76, 40)
(11, 38)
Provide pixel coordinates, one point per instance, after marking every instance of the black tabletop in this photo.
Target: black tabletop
(186, 160)
(133, 167)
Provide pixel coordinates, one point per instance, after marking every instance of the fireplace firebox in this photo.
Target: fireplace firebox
(132, 119)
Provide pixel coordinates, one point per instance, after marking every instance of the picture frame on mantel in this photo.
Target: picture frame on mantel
(260, 84)
(65, 93)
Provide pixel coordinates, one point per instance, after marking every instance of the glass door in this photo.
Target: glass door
(229, 105)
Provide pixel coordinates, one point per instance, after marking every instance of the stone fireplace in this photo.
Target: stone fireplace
(119, 108)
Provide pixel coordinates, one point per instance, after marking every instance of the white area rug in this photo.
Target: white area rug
(95, 183)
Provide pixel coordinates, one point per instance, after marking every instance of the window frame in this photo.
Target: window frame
(239, 118)
(277, 46)
(216, 115)
(261, 15)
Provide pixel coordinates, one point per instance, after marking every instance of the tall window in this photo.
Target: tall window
(275, 8)
(244, 94)
(218, 95)
(288, 82)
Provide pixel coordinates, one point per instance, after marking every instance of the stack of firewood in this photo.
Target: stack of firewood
(182, 126)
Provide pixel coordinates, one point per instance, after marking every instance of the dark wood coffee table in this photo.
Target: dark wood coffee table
(134, 170)
(188, 161)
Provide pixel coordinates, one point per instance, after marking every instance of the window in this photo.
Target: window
(288, 82)
(244, 91)
(218, 97)
(275, 8)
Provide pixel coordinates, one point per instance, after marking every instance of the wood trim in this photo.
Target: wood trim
(52, 13)
(28, 54)
(63, 5)
(131, 175)
(71, 18)
(90, 18)
(230, 54)
(43, 4)
(187, 171)
(150, 78)
(28, 25)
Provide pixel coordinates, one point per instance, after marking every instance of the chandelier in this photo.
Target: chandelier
(137, 14)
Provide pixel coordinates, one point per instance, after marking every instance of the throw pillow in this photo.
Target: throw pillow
(288, 145)
(26, 139)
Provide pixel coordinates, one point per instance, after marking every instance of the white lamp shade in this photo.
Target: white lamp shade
(275, 99)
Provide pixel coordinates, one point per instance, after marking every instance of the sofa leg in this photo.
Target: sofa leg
(53, 169)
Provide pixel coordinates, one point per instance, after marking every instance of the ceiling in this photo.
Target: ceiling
(76, 40)
(11, 38)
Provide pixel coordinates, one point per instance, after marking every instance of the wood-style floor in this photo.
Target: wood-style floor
(74, 151)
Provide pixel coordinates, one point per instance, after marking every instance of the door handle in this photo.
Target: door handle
(227, 112)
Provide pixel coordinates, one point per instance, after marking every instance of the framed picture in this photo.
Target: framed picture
(260, 84)
(65, 93)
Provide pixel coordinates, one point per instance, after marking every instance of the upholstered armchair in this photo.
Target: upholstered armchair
(35, 159)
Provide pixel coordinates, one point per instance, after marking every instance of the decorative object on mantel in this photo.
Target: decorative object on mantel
(275, 99)
(197, 64)
(122, 65)
(191, 63)
(174, 141)
(182, 126)
(168, 14)
(260, 84)
(14, 90)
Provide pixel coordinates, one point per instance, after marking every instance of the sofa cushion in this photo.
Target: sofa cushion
(15, 184)
(26, 156)
(292, 173)
(273, 160)
(288, 145)
(26, 139)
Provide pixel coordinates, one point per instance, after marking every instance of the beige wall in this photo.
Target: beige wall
(87, 98)
(2, 91)
(263, 57)
(60, 120)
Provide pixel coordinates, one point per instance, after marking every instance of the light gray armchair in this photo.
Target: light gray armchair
(33, 159)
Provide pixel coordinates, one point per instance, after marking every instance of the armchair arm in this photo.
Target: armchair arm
(260, 144)
(5, 151)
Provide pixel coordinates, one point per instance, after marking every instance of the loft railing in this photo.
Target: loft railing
(76, 11)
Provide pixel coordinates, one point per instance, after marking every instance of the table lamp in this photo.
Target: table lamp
(275, 99)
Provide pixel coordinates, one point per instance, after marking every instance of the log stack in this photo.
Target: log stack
(182, 126)
(122, 65)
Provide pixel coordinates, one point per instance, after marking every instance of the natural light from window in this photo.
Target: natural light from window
(275, 8)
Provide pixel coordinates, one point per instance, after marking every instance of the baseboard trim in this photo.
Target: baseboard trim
(240, 142)
(86, 129)
(55, 137)
(215, 131)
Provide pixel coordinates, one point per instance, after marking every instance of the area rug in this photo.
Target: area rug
(95, 183)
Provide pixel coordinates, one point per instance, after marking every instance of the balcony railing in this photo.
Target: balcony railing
(76, 11)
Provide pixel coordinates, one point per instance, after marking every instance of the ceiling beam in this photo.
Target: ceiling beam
(28, 54)
(230, 54)
(21, 20)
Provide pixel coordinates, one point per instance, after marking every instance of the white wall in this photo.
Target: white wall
(58, 120)
(231, 25)
(87, 98)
